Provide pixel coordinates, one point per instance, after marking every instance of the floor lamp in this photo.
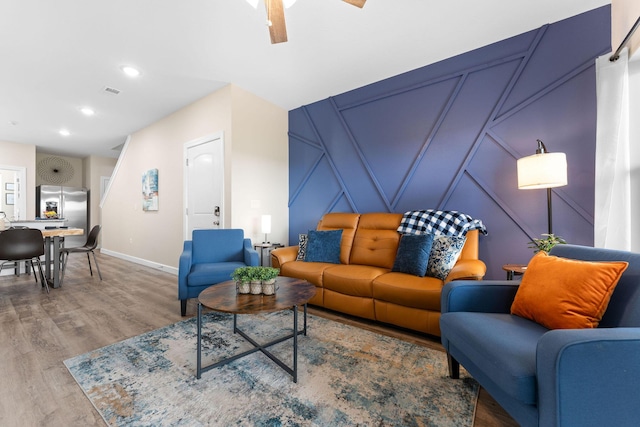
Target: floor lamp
(543, 170)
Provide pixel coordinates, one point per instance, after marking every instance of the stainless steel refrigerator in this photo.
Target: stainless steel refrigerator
(71, 204)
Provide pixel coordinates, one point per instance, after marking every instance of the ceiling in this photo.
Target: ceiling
(58, 56)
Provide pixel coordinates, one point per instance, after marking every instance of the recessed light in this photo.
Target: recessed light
(87, 111)
(130, 71)
(64, 132)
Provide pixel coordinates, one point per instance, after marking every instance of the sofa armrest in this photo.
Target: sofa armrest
(485, 296)
(184, 267)
(280, 256)
(588, 376)
(468, 269)
(250, 254)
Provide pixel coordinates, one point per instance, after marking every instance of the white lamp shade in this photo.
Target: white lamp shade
(546, 170)
(266, 224)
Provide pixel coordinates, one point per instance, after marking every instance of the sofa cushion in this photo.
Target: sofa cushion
(562, 293)
(347, 222)
(211, 273)
(407, 290)
(413, 254)
(444, 254)
(351, 279)
(323, 246)
(376, 240)
(498, 346)
(309, 271)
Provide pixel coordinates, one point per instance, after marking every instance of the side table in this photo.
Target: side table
(261, 247)
(514, 270)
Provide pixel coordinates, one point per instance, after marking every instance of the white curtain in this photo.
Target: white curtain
(612, 219)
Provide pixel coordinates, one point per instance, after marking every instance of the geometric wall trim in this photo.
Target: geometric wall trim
(447, 136)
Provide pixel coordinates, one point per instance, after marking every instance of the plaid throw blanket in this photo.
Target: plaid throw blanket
(450, 223)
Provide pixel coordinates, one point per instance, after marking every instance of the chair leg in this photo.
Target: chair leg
(42, 278)
(454, 367)
(89, 259)
(95, 260)
(183, 307)
(35, 276)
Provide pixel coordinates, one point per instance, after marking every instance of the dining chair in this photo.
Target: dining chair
(88, 247)
(23, 244)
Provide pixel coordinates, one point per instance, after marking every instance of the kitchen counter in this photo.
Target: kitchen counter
(40, 224)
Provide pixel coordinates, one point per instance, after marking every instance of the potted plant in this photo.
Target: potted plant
(546, 243)
(268, 277)
(253, 276)
(242, 276)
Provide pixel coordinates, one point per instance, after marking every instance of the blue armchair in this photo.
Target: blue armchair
(542, 377)
(210, 258)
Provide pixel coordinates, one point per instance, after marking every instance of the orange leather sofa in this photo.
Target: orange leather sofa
(363, 284)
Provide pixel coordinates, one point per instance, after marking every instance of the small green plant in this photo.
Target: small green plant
(267, 273)
(545, 244)
(242, 274)
(249, 274)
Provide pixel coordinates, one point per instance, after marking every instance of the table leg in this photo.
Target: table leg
(295, 343)
(47, 258)
(199, 345)
(56, 261)
(305, 319)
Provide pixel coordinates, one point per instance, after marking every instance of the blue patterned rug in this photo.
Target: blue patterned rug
(346, 377)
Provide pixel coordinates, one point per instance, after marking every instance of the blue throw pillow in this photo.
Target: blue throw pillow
(413, 254)
(444, 254)
(323, 246)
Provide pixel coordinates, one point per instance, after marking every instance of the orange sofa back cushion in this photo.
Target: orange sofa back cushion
(347, 222)
(376, 240)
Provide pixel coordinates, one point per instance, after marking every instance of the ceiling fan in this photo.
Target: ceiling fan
(275, 16)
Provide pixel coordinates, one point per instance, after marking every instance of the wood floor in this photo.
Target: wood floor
(39, 331)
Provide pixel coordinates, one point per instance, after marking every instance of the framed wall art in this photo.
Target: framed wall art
(150, 190)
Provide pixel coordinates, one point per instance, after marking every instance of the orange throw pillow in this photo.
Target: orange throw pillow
(562, 293)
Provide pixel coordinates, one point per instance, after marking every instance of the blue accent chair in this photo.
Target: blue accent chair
(210, 258)
(541, 377)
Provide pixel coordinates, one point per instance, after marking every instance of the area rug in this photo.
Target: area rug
(347, 376)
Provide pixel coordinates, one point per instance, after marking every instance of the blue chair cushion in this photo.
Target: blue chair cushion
(477, 336)
(211, 273)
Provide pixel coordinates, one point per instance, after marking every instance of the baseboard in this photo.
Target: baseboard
(141, 261)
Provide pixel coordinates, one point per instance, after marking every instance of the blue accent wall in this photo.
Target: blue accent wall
(447, 136)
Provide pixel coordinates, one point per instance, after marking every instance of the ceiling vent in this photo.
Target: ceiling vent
(111, 90)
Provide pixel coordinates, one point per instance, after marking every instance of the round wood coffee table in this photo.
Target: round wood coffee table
(223, 297)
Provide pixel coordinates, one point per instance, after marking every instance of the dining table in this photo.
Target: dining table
(53, 238)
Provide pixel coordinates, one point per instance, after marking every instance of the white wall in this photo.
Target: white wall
(22, 155)
(256, 143)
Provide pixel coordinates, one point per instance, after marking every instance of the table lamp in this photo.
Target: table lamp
(266, 226)
(543, 170)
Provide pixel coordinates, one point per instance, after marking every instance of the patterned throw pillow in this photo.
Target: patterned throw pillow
(444, 254)
(302, 247)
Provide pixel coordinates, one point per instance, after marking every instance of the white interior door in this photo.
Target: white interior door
(204, 184)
